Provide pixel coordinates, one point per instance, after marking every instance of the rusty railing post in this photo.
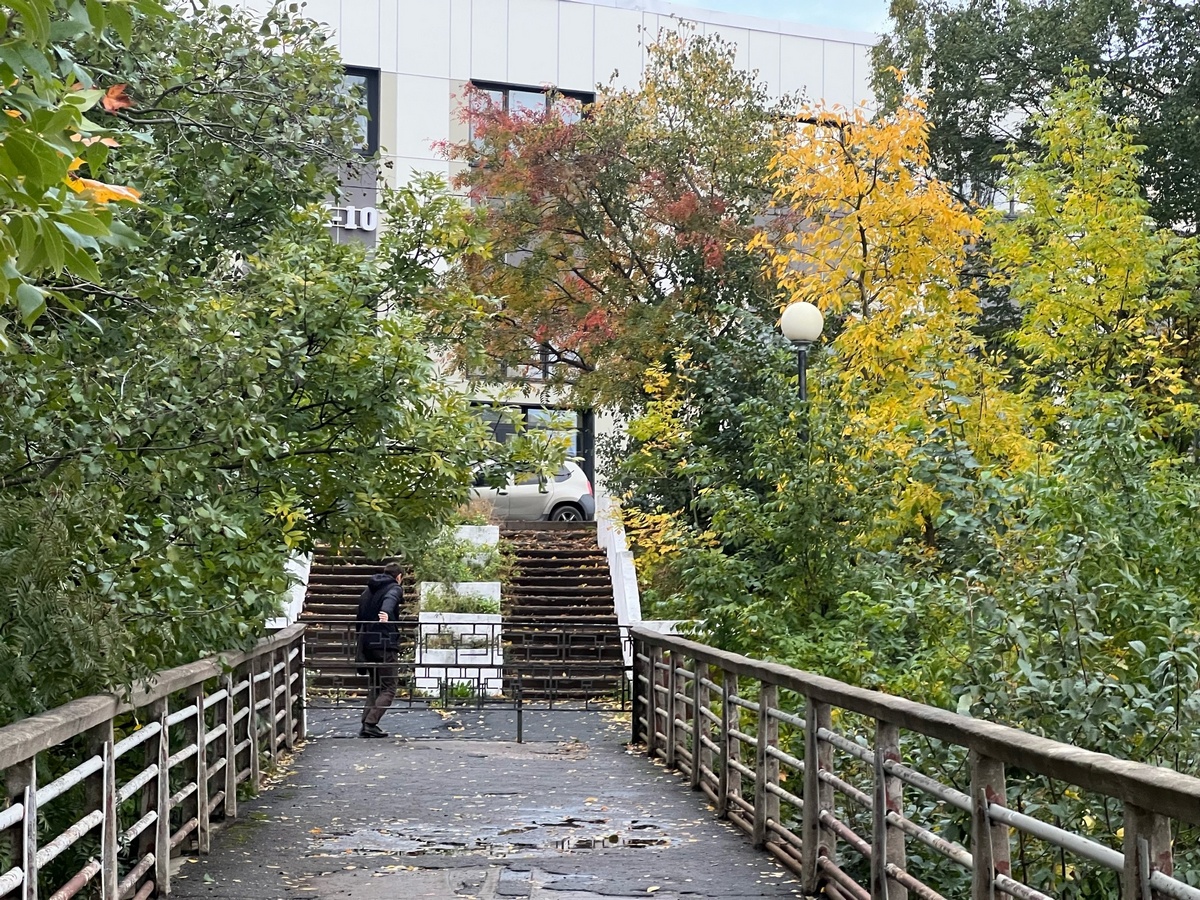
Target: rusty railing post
(196, 731)
(701, 755)
(989, 840)
(228, 714)
(887, 841)
(818, 840)
(101, 791)
(22, 783)
(1147, 847)
(669, 729)
(655, 657)
(159, 709)
(302, 688)
(252, 721)
(766, 767)
(731, 718)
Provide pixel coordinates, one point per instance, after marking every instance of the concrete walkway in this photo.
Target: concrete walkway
(453, 808)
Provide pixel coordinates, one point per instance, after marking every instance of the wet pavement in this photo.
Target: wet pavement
(452, 808)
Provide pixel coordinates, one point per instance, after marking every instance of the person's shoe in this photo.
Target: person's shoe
(372, 731)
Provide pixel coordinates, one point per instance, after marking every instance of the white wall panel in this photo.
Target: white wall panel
(489, 40)
(763, 51)
(389, 29)
(403, 168)
(532, 41)
(258, 7)
(360, 32)
(576, 47)
(460, 39)
(618, 46)
(802, 66)
(862, 76)
(424, 38)
(839, 73)
(422, 114)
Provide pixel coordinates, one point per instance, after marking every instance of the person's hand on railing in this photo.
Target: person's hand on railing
(383, 617)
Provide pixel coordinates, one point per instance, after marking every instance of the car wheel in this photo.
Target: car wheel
(566, 513)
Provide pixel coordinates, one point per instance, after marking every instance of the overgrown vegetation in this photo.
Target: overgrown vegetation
(448, 559)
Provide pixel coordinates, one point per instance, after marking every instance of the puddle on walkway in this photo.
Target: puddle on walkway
(542, 833)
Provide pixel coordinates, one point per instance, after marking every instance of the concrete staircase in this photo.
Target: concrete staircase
(560, 630)
(560, 634)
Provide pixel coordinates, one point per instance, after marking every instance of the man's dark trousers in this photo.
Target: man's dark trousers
(382, 679)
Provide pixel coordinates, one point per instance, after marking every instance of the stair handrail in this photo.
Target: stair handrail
(627, 598)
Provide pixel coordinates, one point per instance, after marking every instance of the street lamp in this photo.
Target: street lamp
(802, 323)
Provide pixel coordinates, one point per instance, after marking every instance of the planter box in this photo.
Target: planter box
(459, 647)
(482, 535)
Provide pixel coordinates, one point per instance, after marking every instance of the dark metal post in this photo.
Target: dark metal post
(637, 703)
(802, 370)
(730, 782)
(520, 711)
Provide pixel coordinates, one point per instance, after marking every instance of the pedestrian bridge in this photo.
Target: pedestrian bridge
(716, 776)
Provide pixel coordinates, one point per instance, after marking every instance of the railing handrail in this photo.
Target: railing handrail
(1163, 790)
(32, 735)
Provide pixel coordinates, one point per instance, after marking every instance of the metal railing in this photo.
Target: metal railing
(202, 730)
(562, 663)
(729, 722)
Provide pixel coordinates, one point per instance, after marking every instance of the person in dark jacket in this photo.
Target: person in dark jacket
(378, 640)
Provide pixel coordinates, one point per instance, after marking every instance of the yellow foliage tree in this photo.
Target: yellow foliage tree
(878, 243)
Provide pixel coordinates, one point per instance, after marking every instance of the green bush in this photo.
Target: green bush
(447, 600)
(447, 560)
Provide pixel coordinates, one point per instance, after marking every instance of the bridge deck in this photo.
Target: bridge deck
(456, 809)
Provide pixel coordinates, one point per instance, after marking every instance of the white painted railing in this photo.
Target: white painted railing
(627, 599)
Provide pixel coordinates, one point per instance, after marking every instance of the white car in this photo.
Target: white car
(565, 497)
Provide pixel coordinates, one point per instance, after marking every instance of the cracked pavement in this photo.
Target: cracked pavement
(452, 808)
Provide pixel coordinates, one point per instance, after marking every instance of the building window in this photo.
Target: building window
(516, 99)
(364, 83)
(577, 426)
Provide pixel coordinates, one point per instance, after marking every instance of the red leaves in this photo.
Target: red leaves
(115, 98)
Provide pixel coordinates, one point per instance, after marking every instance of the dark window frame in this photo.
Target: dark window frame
(585, 98)
(371, 98)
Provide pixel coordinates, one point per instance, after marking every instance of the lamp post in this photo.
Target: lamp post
(802, 323)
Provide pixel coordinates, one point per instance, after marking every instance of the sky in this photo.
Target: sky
(858, 15)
